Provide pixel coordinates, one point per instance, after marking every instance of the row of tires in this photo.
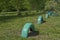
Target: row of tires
(30, 26)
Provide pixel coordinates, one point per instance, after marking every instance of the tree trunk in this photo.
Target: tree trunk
(18, 11)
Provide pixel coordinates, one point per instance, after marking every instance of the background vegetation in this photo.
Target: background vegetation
(28, 5)
(15, 13)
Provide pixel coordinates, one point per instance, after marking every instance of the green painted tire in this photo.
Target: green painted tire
(50, 13)
(40, 20)
(26, 28)
(47, 15)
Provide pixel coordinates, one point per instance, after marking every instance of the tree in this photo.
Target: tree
(51, 5)
(37, 4)
(26, 4)
(4, 4)
(16, 5)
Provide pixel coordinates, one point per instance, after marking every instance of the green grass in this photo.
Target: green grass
(10, 28)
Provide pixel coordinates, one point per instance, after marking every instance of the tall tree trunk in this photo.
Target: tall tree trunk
(18, 11)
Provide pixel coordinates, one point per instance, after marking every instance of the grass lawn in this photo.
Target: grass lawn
(10, 28)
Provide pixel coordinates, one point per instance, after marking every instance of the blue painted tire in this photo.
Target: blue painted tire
(26, 29)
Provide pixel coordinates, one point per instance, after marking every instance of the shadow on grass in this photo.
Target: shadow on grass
(44, 21)
(32, 34)
(7, 18)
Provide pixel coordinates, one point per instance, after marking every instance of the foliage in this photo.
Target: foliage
(51, 5)
(26, 5)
